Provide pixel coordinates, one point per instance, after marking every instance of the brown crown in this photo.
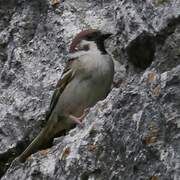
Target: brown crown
(79, 37)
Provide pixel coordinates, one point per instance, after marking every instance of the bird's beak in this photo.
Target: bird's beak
(106, 35)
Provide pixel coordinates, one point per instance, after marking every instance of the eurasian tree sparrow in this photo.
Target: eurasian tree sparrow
(86, 79)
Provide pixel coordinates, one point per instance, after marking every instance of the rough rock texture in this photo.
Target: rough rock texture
(134, 134)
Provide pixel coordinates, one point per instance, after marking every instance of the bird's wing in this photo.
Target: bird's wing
(67, 76)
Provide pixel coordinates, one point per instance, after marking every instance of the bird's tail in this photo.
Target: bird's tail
(43, 139)
(35, 145)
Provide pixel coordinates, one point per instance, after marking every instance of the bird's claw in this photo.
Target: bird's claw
(78, 120)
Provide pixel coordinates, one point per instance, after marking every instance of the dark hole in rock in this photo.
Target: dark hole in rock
(141, 51)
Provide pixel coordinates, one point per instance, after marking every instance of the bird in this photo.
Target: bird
(86, 79)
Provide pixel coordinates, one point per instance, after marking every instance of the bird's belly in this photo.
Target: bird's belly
(81, 94)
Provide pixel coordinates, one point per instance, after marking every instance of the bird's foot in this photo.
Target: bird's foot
(78, 120)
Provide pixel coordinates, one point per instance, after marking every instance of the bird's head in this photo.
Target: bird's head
(88, 40)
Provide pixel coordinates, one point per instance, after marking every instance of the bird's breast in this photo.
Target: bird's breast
(91, 83)
(95, 65)
(98, 71)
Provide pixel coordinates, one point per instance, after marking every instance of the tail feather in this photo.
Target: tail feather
(44, 138)
(41, 140)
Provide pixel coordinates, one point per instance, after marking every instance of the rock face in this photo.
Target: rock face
(134, 133)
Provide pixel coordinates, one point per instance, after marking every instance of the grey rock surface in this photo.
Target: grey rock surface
(131, 135)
